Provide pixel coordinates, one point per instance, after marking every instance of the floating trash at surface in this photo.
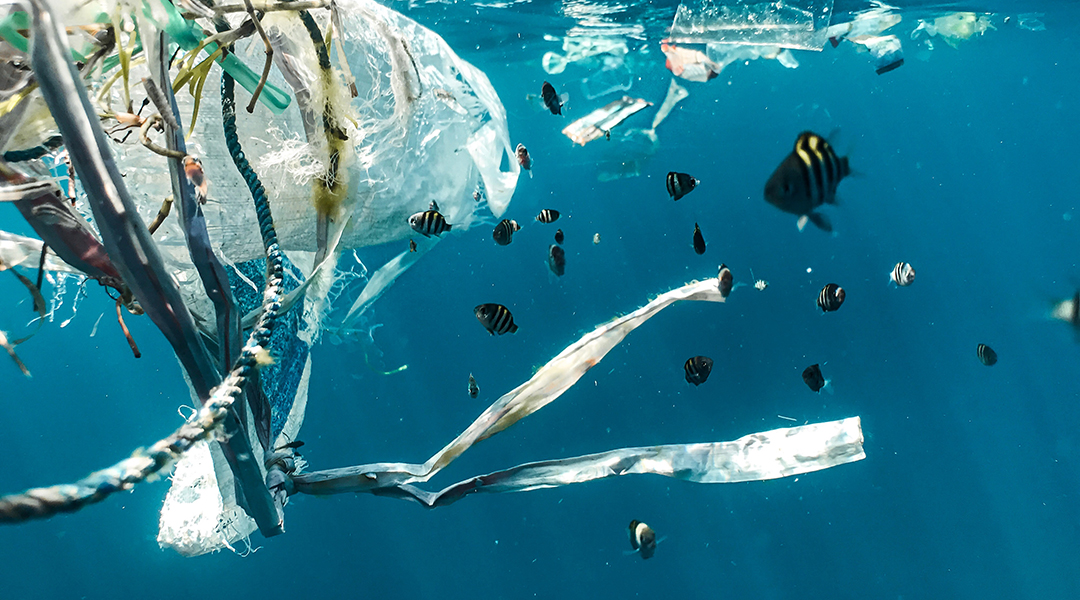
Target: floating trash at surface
(794, 24)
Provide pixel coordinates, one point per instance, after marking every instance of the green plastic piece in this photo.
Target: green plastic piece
(189, 36)
(9, 30)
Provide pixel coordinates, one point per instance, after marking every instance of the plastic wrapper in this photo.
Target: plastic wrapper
(599, 122)
(798, 24)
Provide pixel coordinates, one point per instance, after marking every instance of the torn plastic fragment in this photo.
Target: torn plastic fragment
(599, 122)
(554, 378)
(887, 52)
(755, 457)
(798, 24)
(676, 93)
(690, 64)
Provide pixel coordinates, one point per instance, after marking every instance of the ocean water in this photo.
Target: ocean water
(965, 162)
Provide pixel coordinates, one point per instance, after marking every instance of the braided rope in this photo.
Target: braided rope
(40, 503)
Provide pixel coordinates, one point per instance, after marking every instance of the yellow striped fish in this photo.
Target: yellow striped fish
(806, 179)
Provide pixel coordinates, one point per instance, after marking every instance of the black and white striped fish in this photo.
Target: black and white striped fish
(548, 215)
(831, 297)
(642, 539)
(903, 274)
(496, 318)
(680, 184)
(429, 223)
(806, 179)
(559, 237)
(474, 390)
(504, 232)
(697, 369)
(699, 240)
(986, 355)
(557, 260)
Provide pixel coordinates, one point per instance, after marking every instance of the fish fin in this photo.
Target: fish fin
(530, 173)
(631, 552)
(801, 223)
(821, 221)
(564, 98)
(449, 227)
(513, 328)
(828, 387)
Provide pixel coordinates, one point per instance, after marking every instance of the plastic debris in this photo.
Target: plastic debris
(676, 93)
(767, 455)
(690, 64)
(799, 24)
(599, 122)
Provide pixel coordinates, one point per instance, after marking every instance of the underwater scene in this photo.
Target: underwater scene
(284, 287)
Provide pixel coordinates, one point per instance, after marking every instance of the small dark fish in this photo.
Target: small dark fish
(559, 237)
(292, 445)
(725, 281)
(551, 99)
(806, 179)
(680, 184)
(523, 158)
(986, 355)
(813, 377)
(474, 390)
(496, 318)
(902, 274)
(557, 260)
(831, 297)
(412, 245)
(504, 232)
(476, 196)
(642, 539)
(699, 240)
(697, 369)
(607, 134)
(429, 223)
(548, 215)
(433, 206)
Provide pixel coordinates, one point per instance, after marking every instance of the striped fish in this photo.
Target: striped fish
(697, 369)
(548, 215)
(504, 232)
(806, 179)
(902, 274)
(474, 390)
(429, 223)
(496, 318)
(699, 240)
(986, 355)
(830, 298)
(680, 184)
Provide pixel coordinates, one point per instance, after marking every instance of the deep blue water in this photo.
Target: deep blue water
(966, 167)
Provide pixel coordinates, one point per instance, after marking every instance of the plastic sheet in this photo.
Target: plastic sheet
(766, 455)
(599, 122)
(798, 24)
